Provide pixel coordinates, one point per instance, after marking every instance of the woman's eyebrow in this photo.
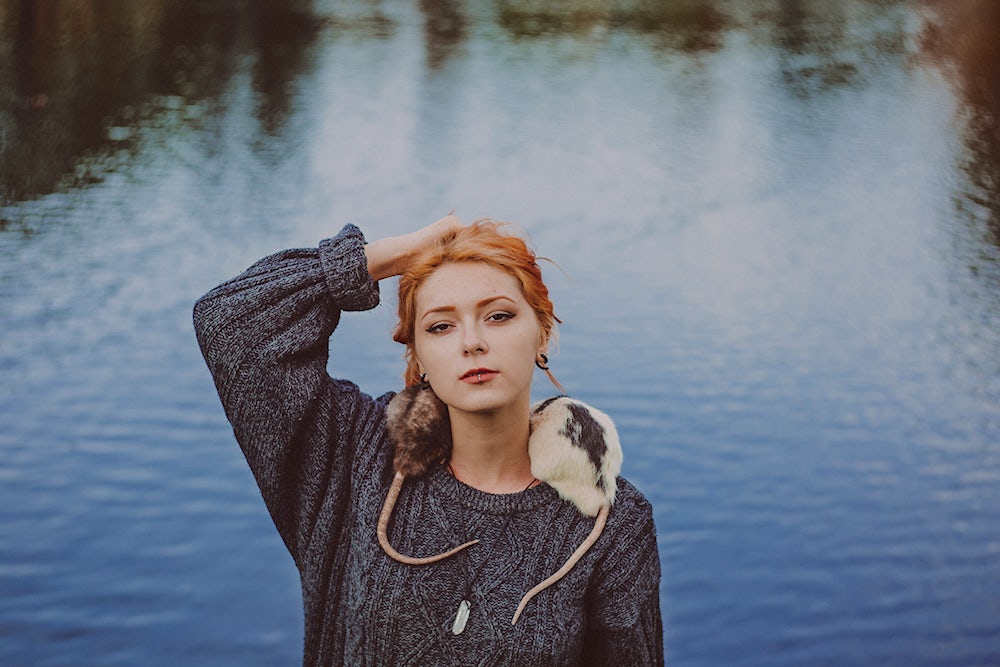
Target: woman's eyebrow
(485, 302)
(498, 297)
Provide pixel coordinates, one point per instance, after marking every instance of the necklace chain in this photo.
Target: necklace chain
(451, 471)
(465, 606)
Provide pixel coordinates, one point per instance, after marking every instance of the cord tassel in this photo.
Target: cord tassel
(383, 525)
(595, 533)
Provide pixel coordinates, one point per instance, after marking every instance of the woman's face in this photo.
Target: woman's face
(476, 337)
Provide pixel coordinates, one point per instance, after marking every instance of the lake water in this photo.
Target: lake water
(778, 227)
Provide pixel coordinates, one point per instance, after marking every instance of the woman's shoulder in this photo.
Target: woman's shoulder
(357, 420)
(631, 515)
(365, 407)
(629, 498)
(628, 551)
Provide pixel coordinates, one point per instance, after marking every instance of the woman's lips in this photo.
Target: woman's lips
(479, 375)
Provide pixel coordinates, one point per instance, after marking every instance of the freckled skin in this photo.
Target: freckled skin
(475, 316)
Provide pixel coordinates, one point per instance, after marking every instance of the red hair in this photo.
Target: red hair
(481, 242)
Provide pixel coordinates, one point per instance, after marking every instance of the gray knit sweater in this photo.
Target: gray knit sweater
(318, 449)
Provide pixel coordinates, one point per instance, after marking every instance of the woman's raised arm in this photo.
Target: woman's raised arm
(387, 257)
(265, 337)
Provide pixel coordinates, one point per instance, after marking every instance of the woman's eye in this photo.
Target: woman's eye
(500, 317)
(440, 327)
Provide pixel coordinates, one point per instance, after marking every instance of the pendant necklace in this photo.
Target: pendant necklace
(465, 606)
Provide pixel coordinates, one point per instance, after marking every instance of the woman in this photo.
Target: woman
(451, 523)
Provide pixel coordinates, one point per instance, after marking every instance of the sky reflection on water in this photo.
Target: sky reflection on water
(780, 233)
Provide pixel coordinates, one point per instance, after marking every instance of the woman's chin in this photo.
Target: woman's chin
(478, 405)
(480, 399)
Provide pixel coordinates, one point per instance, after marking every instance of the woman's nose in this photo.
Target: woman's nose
(473, 341)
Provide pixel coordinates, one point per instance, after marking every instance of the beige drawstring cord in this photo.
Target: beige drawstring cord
(383, 525)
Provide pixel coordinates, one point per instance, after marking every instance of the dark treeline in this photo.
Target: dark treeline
(79, 78)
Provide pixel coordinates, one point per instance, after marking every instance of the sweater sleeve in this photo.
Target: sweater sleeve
(265, 337)
(624, 625)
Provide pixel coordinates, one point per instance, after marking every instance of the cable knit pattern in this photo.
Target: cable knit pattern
(319, 450)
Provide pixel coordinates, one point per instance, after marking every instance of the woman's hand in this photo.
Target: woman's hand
(389, 256)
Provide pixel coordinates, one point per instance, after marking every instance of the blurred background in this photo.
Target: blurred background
(778, 227)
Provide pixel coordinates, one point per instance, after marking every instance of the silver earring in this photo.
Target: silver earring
(544, 363)
(423, 377)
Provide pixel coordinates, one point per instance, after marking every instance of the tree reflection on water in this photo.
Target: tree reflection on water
(683, 25)
(964, 39)
(77, 80)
